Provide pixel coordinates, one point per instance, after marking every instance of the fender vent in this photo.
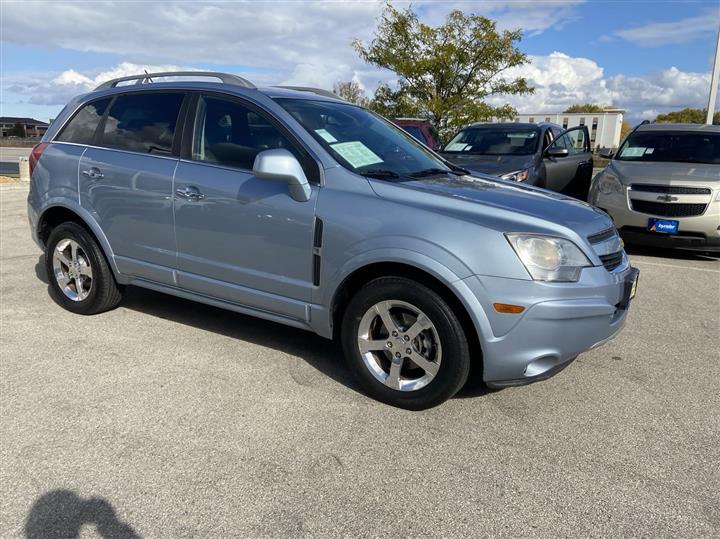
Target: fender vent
(317, 250)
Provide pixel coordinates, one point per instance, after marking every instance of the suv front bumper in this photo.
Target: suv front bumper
(560, 321)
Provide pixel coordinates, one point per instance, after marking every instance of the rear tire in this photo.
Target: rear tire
(80, 279)
(421, 360)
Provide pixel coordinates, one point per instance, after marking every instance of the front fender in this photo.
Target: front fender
(456, 283)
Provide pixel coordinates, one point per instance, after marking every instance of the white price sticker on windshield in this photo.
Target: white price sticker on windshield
(326, 136)
(356, 153)
(456, 147)
(633, 152)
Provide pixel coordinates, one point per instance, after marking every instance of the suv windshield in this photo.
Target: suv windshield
(492, 140)
(363, 142)
(671, 146)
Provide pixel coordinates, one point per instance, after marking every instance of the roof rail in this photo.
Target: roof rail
(225, 78)
(318, 91)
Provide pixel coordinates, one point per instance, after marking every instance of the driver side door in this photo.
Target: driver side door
(562, 173)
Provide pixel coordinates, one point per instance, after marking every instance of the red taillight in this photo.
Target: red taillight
(35, 155)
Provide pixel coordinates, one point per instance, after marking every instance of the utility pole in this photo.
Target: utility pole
(714, 83)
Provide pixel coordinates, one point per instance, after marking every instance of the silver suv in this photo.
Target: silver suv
(297, 207)
(662, 188)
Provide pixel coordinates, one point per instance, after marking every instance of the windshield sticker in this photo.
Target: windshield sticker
(327, 137)
(522, 134)
(633, 152)
(356, 153)
(456, 147)
(649, 150)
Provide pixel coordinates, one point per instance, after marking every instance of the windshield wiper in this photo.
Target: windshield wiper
(380, 173)
(438, 171)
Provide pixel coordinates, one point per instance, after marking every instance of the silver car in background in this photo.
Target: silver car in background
(662, 187)
(300, 208)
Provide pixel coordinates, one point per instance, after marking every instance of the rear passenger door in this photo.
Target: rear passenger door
(561, 172)
(241, 238)
(126, 181)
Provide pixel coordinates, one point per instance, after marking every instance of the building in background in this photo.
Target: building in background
(604, 127)
(22, 127)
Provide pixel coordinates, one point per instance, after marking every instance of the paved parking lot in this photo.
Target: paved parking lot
(165, 418)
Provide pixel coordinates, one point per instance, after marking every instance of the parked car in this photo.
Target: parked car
(662, 188)
(313, 212)
(541, 154)
(421, 130)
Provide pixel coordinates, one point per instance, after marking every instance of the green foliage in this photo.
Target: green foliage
(445, 72)
(588, 108)
(351, 91)
(687, 116)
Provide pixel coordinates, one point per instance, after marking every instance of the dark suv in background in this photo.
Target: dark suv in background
(537, 154)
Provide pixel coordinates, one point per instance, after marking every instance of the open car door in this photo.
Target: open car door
(568, 163)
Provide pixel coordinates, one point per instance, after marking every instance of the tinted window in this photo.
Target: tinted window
(143, 122)
(495, 141)
(81, 129)
(414, 131)
(231, 134)
(671, 146)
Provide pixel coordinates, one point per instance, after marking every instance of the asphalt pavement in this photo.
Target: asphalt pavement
(166, 418)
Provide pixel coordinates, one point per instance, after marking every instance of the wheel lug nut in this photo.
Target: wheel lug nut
(398, 355)
(394, 333)
(388, 344)
(406, 338)
(408, 351)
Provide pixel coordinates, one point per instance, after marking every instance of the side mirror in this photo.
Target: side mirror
(279, 164)
(607, 153)
(554, 151)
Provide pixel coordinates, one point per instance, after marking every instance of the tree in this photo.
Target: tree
(687, 116)
(588, 108)
(444, 73)
(351, 91)
(625, 130)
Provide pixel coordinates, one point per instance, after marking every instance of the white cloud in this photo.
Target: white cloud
(669, 33)
(561, 80)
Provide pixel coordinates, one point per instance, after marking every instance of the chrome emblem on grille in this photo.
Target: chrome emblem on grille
(667, 198)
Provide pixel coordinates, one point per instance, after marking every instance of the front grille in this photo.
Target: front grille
(667, 210)
(612, 261)
(602, 235)
(671, 189)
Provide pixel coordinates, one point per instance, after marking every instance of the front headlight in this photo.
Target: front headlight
(548, 258)
(608, 184)
(517, 176)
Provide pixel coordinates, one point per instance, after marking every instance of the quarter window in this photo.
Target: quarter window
(81, 129)
(143, 122)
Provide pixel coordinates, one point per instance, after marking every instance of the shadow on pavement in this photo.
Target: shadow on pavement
(62, 513)
(676, 254)
(322, 354)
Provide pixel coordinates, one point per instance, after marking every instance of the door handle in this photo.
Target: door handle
(190, 192)
(93, 173)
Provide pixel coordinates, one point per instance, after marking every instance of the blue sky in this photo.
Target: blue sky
(645, 56)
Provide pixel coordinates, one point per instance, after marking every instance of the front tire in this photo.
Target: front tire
(405, 344)
(80, 279)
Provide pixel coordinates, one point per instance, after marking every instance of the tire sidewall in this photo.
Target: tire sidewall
(455, 363)
(78, 234)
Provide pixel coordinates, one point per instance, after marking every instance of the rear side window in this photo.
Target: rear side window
(81, 129)
(143, 122)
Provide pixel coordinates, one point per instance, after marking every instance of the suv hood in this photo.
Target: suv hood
(665, 173)
(503, 205)
(497, 165)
